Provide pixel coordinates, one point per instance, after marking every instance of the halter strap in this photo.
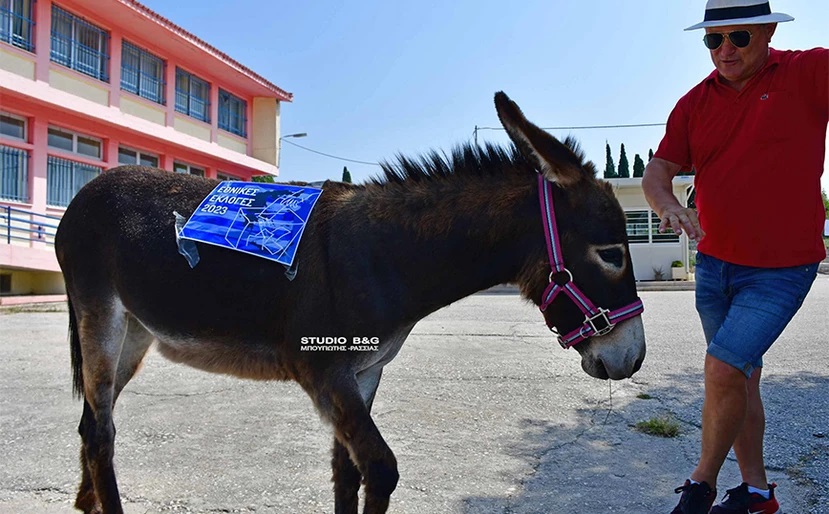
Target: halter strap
(597, 321)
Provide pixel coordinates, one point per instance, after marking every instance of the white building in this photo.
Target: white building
(653, 253)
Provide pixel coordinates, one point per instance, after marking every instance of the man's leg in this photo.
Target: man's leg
(749, 443)
(723, 416)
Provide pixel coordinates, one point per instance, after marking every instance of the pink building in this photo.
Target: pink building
(86, 85)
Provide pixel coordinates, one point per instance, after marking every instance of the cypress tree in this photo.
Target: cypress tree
(825, 201)
(650, 154)
(610, 168)
(624, 166)
(638, 166)
(346, 175)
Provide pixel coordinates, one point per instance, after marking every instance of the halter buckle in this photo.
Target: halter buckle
(600, 323)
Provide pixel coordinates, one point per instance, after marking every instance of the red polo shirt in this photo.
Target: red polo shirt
(758, 155)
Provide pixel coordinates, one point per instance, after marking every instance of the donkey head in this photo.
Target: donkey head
(594, 247)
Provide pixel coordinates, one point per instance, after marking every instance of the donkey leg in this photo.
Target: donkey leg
(346, 476)
(134, 348)
(136, 343)
(339, 401)
(101, 331)
(86, 500)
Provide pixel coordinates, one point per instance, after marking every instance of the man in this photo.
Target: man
(755, 131)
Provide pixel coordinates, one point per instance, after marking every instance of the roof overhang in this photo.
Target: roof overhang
(157, 33)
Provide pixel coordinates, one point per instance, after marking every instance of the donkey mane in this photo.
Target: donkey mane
(467, 160)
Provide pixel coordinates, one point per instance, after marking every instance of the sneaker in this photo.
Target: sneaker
(695, 499)
(740, 501)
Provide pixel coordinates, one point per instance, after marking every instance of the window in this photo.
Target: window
(192, 96)
(16, 25)
(232, 114)
(76, 143)
(64, 178)
(14, 174)
(637, 226)
(180, 167)
(643, 227)
(128, 156)
(12, 126)
(224, 176)
(669, 236)
(79, 45)
(142, 73)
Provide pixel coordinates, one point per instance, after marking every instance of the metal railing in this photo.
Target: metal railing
(14, 174)
(64, 178)
(79, 45)
(16, 24)
(142, 73)
(32, 227)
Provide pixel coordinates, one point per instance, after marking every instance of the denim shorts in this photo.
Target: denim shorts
(745, 309)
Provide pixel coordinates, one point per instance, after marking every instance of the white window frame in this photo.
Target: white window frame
(25, 121)
(233, 114)
(189, 168)
(654, 237)
(75, 136)
(139, 154)
(73, 33)
(221, 175)
(147, 84)
(23, 19)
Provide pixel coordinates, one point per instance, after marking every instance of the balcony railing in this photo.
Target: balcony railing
(16, 25)
(19, 225)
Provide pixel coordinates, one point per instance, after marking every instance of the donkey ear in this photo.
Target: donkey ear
(557, 162)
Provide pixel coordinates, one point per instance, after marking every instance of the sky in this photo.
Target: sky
(372, 79)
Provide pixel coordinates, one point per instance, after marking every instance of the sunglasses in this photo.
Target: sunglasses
(738, 38)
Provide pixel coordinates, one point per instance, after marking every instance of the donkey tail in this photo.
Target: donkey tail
(75, 349)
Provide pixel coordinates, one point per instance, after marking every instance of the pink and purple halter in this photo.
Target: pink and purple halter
(598, 321)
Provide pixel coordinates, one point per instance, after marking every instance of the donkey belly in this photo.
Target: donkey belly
(253, 361)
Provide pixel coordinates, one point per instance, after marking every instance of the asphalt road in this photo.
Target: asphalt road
(485, 413)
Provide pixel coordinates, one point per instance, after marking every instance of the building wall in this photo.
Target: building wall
(48, 94)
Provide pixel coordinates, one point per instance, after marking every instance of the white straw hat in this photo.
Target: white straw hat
(719, 13)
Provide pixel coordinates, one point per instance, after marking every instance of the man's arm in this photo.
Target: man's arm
(659, 192)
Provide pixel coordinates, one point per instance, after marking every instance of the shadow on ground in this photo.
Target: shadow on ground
(575, 465)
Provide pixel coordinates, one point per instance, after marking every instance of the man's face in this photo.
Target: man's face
(738, 65)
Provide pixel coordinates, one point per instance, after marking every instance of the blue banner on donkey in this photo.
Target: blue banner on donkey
(266, 220)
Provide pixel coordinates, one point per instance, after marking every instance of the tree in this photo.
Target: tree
(267, 179)
(825, 202)
(624, 166)
(346, 175)
(610, 168)
(650, 154)
(638, 166)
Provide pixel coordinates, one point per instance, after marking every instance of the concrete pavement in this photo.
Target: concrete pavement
(485, 413)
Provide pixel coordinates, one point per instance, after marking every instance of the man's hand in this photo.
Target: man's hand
(659, 193)
(679, 218)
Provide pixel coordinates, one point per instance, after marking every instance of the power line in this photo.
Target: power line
(475, 134)
(584, 127)
(329, 155)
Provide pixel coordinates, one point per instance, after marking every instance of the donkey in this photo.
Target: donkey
(374, 260)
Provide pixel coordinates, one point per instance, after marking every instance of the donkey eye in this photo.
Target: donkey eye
(612, 256)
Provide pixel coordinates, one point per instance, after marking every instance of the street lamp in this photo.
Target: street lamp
(279, 145)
